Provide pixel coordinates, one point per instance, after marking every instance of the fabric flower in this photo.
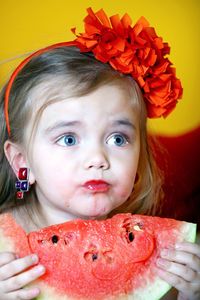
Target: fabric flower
(136, 51)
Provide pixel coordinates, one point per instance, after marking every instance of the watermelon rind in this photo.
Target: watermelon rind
(6, 244)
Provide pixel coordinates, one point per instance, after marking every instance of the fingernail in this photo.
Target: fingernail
(34, 258)
(163, 263)
(35, 292)
(39, 269)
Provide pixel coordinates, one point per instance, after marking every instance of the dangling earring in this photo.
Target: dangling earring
(22, 184)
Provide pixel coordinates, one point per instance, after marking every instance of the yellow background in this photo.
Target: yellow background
(26, 25)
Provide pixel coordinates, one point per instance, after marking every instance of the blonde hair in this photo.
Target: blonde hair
(81, 74)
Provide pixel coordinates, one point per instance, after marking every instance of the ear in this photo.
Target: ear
(17, 159)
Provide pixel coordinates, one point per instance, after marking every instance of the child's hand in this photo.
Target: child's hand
(180, 267)
(14, 276)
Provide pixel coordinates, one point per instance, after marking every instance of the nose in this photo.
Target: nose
(97, 159)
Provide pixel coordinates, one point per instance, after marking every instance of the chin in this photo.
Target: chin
(96, 214)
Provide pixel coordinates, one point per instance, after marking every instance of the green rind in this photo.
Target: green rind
(189, 232)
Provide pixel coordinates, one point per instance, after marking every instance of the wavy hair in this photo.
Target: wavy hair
(80, 74)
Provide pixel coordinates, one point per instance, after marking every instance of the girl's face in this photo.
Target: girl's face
(85, 154)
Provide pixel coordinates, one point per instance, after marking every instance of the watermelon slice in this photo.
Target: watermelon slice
(93, 260)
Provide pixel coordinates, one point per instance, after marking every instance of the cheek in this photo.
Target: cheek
(126, 182)
(127, 166)
(45, 170)
(57, 174)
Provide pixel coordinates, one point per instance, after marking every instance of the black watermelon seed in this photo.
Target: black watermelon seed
(94, 256)
(131, 236)
(54, 239)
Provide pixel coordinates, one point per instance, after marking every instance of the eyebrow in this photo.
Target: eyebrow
(124, 122)
(62, 124)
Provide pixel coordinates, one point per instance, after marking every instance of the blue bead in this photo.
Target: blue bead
(17, 185)
(24, 186)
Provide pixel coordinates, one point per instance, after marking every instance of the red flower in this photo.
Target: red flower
(137, 51)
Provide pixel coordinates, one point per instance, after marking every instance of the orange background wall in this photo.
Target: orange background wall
(28, 25)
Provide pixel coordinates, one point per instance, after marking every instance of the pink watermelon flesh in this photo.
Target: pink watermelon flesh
(109, 259)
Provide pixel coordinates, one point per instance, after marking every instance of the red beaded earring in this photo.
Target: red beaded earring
(22, 184)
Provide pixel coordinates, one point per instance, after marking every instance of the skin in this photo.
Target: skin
(68, 141)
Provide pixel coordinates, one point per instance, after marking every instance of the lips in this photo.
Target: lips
(96, 185)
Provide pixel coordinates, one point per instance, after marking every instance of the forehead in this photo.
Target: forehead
(104, 103)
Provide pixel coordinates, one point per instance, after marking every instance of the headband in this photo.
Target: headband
(133, 50)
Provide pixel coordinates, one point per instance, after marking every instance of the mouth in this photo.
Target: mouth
(96, 186)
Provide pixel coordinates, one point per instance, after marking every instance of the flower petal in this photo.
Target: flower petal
(126, 21)
(137, 51)
(103, 18)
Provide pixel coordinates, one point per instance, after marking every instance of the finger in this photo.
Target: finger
(189, 247)
(16, 266)
(6, 257)
(182, 257)
(179, 283)
(24, 294)
(181, 270)
(17, 282)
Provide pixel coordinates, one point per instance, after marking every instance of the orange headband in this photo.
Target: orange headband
(136, 51)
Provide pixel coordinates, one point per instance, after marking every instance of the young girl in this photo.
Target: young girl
(74, 119)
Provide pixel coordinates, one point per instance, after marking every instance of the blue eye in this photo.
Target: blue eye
(67, 140)
(117, 139)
